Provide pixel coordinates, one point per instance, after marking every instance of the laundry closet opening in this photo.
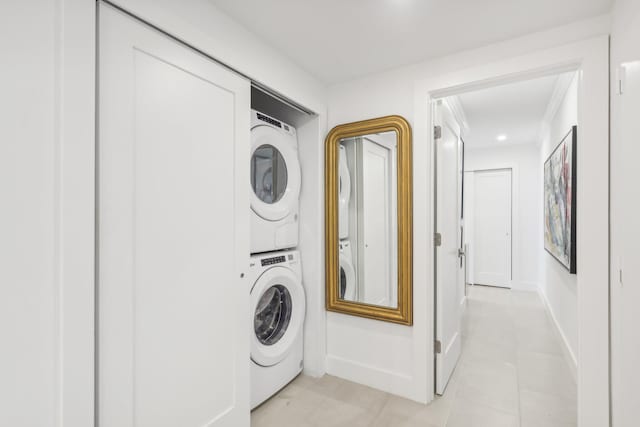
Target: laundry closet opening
(283, 277)
(505, 215)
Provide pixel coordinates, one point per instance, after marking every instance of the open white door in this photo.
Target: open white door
(492, 227)
(173, 343)
(449, 268)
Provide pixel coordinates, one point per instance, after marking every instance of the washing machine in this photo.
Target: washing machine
(348, 286)
(344, 193)
(278, 310)
(275, 184)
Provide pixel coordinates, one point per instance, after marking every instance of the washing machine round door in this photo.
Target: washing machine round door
(275, 173)
(277, 306)
(347, 283)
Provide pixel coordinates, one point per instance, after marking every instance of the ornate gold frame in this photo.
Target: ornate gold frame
(403, 314)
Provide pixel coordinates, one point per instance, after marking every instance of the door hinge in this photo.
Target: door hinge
(437, 132)
(620, 77)
(437, 239)
(437, 347)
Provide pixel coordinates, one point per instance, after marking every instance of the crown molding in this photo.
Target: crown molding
(557, 96)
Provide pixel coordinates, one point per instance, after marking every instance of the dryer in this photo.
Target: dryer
(277, 310)
(348, 285)
(275, 184)
(344, 193)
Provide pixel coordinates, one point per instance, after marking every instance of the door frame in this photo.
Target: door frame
(590, 58)
(512, 201)
(74, 216)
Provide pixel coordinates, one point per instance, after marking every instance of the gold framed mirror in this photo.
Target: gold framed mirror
(368, 219)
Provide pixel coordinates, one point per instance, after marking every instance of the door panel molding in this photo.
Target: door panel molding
(492, 278)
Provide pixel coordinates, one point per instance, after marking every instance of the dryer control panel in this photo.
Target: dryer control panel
(268, 119)
(261, 117)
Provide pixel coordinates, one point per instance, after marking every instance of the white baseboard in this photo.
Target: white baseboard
(391, 382)
(569, 355)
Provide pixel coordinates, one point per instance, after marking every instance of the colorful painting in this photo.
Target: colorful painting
(560, 202)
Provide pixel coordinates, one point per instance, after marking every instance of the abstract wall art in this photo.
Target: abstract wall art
(560, 201)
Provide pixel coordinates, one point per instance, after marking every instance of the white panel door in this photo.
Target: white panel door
(449, 269)
(492, 227)
(376, 205)
(173, 213)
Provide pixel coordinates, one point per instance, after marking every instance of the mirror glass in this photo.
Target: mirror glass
(368, 219)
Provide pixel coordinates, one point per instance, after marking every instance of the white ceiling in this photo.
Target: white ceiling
(337, 40)
(514, 110)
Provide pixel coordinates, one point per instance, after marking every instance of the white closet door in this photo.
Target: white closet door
(173, 209)
(492, 227)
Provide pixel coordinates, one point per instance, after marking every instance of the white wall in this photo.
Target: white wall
(625, 205)
(558, 287)
(523, 160)
(46, 188)
(399, 359)
(28, 220)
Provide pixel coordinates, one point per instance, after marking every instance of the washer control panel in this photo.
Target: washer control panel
(272, 260)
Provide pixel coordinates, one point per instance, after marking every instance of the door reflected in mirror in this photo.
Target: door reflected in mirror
(367, 219)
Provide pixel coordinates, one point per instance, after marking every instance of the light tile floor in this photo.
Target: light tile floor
(512, 372)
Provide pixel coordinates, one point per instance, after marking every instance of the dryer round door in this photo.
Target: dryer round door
(347, 281)
(278, 307)
(275, 174)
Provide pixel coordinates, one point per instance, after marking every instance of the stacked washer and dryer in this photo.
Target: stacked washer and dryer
(275, 273)
(348, 286)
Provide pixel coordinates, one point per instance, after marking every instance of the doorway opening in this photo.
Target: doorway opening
(506, 307)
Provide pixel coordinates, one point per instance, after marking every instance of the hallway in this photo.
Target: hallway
(512, 372)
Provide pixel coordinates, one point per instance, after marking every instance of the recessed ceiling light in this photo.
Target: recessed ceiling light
(502, 137)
